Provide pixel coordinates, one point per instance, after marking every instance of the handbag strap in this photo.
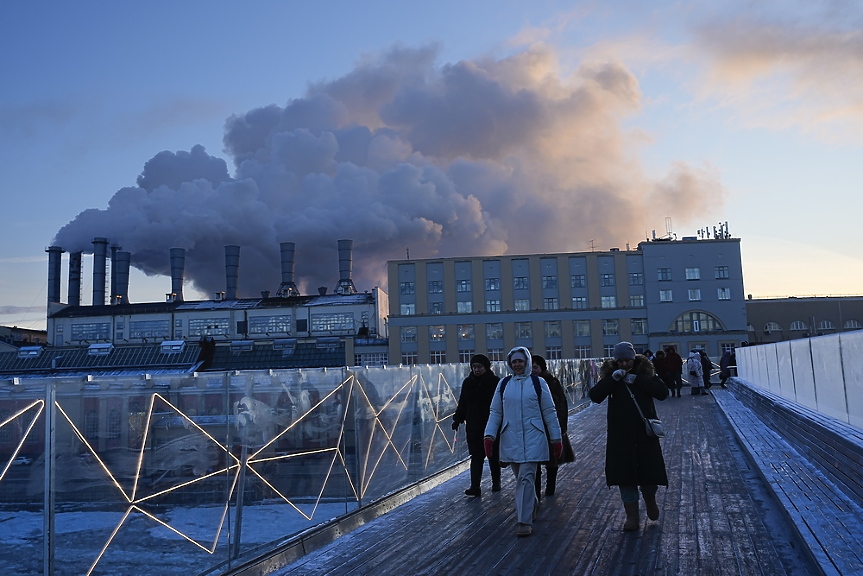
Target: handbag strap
(631, 395)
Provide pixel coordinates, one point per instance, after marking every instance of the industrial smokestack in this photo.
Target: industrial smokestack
(345, 285)
(74, 278)
(115, 291)
(232, 271)
(178, 272)
(55, 256)
(120, 271)
(100, 256)
(287, 287)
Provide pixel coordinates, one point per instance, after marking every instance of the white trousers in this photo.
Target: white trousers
(525, 491)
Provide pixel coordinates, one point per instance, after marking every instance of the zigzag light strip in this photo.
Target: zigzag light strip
(23, 436)
(108, 543)
(143, 446)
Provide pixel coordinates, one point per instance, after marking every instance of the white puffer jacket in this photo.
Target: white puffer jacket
(520, 417)
(693, 364)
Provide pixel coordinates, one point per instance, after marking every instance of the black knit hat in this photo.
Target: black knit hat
(537, 359)
(481, 359)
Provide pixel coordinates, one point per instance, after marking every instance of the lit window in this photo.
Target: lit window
(610, 327)
(462, 286)
(798, 325)
(723, 293)
(665, 295)
(639, 325)
(720, 272)
(522, 304)
(409, 358)
(581, 327)
(492, 284)
(437, 333)
(636, 279)
(549, 282)
(579, 302)
(408, 309)
(465, 332)
(577, 281)
(435, 287)
(523, 330)
(581, 352)
(606, 280)
(409, 333)
(550, 304)
(609, 302)
(464, 307)
(406, 288)
(492, 305)
(494, 331)
(636, 300)
(693, 273)
(663, 274)
(435, 307)
(519, 283)
(552, 329)
(695, 295)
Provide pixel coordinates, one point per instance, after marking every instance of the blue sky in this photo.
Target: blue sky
(749, 113)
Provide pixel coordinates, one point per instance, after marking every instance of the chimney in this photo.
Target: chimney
(100, 255)
(74, 278)
(120, 271)
(55, 261)
(287, 287)
(178, 272)
(114, 290)
(232, 271)
(345, 285)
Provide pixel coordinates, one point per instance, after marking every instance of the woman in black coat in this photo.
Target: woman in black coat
(632, 458)
(561, 407)
(474, 402)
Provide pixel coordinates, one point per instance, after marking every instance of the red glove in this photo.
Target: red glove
(558, 449)
(488, 443)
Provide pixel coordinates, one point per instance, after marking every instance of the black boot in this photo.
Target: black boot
(476, 463)
(494, 468)
(551, 481)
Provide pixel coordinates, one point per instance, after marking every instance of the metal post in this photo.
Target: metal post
(241, 487)
(48, 502)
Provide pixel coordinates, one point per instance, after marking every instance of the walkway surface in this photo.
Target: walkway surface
(717, 516)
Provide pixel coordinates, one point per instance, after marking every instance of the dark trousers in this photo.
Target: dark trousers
(550, 482)
(476, 465)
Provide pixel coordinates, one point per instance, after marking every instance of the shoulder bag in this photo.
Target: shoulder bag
(653, 426)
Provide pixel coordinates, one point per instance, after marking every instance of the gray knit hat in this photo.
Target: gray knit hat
(623, 350)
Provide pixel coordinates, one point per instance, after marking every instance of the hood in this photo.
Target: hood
(526, 354)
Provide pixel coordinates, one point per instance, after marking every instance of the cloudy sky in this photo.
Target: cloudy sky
(448, 129)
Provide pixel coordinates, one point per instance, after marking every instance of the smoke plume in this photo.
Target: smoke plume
(482, 157)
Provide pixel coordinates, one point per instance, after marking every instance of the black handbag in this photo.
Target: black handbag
(652, 426)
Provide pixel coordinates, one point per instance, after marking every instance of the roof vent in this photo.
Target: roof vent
(328, 342)
(286, 345)
(242, 345)
(100, 349)
(29, 351)
(172, 346)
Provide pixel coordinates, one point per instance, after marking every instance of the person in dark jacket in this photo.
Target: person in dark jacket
(724, 367)
(561, 406)
(674, 367)
(706, 369)
(633, 460)
(474, 401)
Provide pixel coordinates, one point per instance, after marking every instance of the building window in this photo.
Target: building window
(852, 325)
(520, 283)
(150, 329)
(464, 307)
(610, 328)
(409, 358)
(496, 354)
(91, 332)
(608, 351)
(636, 300)
(727, 347)
(581, 327)
(553, 353)
(408, 309)
(696, 322)
(609, 302)
(492, 305)
(465, 332)
(798, 325)
(826, 325)
(91, 426)
(435, 287)
(639, 325)
(492, 284)
(550, 304)
(409, 333)
(494, 331)
(663, 274)
(720, 272)
(437, 333)
(695, 295)
(270, 324)
(371, 359)
(435, 307)
(114, 423)
(406, 288)
(522, 304)
(549, 282)
(581, 352)
(636, 279)
(693, 273)
(464, 356)
(723, 293)
(579, 302)
(577, 281)
(437, 357)
(523, 330)
(552, 329)
(209, 326)
(606, 280)
(333, 322)
(665, 295)
(772, 327)
(462, 286)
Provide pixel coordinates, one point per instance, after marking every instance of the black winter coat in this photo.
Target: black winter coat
(561, 405)
(473, 408)
(632, 458)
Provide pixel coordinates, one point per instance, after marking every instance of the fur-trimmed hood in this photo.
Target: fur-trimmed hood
(642, 366)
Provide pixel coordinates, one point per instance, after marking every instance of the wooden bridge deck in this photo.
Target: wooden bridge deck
(717, 517)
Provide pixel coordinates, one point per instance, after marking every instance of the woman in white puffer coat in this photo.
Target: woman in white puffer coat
(522, 416)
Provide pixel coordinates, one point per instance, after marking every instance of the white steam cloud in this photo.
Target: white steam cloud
(481, 157)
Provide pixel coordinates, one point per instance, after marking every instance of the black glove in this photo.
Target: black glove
(454, 425)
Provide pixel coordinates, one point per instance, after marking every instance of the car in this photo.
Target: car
(22, 461)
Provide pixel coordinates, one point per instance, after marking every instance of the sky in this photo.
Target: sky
(446, 129)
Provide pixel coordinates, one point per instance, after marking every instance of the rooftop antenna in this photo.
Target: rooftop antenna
(591, 245)
(408, 252)
(668, 226)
